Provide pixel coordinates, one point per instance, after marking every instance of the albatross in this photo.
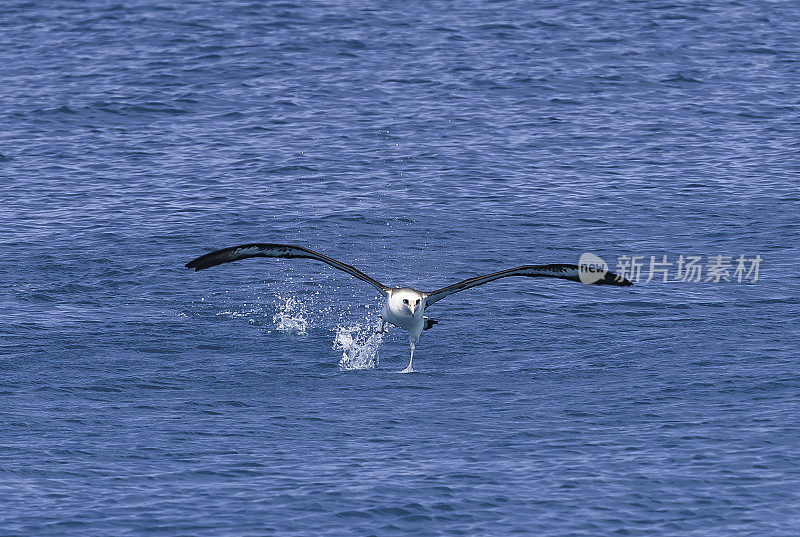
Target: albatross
(404, 307)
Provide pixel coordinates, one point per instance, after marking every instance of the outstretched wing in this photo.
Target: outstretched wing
(286, 251)
(555, 270)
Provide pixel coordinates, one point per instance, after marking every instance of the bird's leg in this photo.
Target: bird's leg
(410, 369)
(382, 329)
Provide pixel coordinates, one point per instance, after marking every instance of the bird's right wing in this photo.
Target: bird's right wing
(286, 251)
(553, 270)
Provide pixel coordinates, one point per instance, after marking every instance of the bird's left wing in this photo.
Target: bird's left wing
(286, 251)
(554, 270)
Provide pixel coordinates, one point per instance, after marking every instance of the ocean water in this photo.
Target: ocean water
(423, 142)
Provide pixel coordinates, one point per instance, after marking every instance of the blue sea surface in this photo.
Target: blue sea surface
(424, 143)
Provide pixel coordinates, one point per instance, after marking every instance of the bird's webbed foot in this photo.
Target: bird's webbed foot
(428, 323)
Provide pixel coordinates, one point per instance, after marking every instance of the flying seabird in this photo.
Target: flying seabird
(404, 307)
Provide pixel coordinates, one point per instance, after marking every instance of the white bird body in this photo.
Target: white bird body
(404, 306)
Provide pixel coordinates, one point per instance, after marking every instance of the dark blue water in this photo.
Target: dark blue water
(423, 142)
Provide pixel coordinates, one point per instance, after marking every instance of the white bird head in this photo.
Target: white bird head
(407, 301)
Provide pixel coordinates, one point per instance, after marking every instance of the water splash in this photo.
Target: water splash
(253, 314)
(291, 315)
(359, 344)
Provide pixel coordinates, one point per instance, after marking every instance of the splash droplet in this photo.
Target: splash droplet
(359, 344)
(291, 315)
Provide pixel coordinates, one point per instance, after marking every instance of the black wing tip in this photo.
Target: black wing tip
(197, 264)
(210, 259)
(612, 279)
(218, 257)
